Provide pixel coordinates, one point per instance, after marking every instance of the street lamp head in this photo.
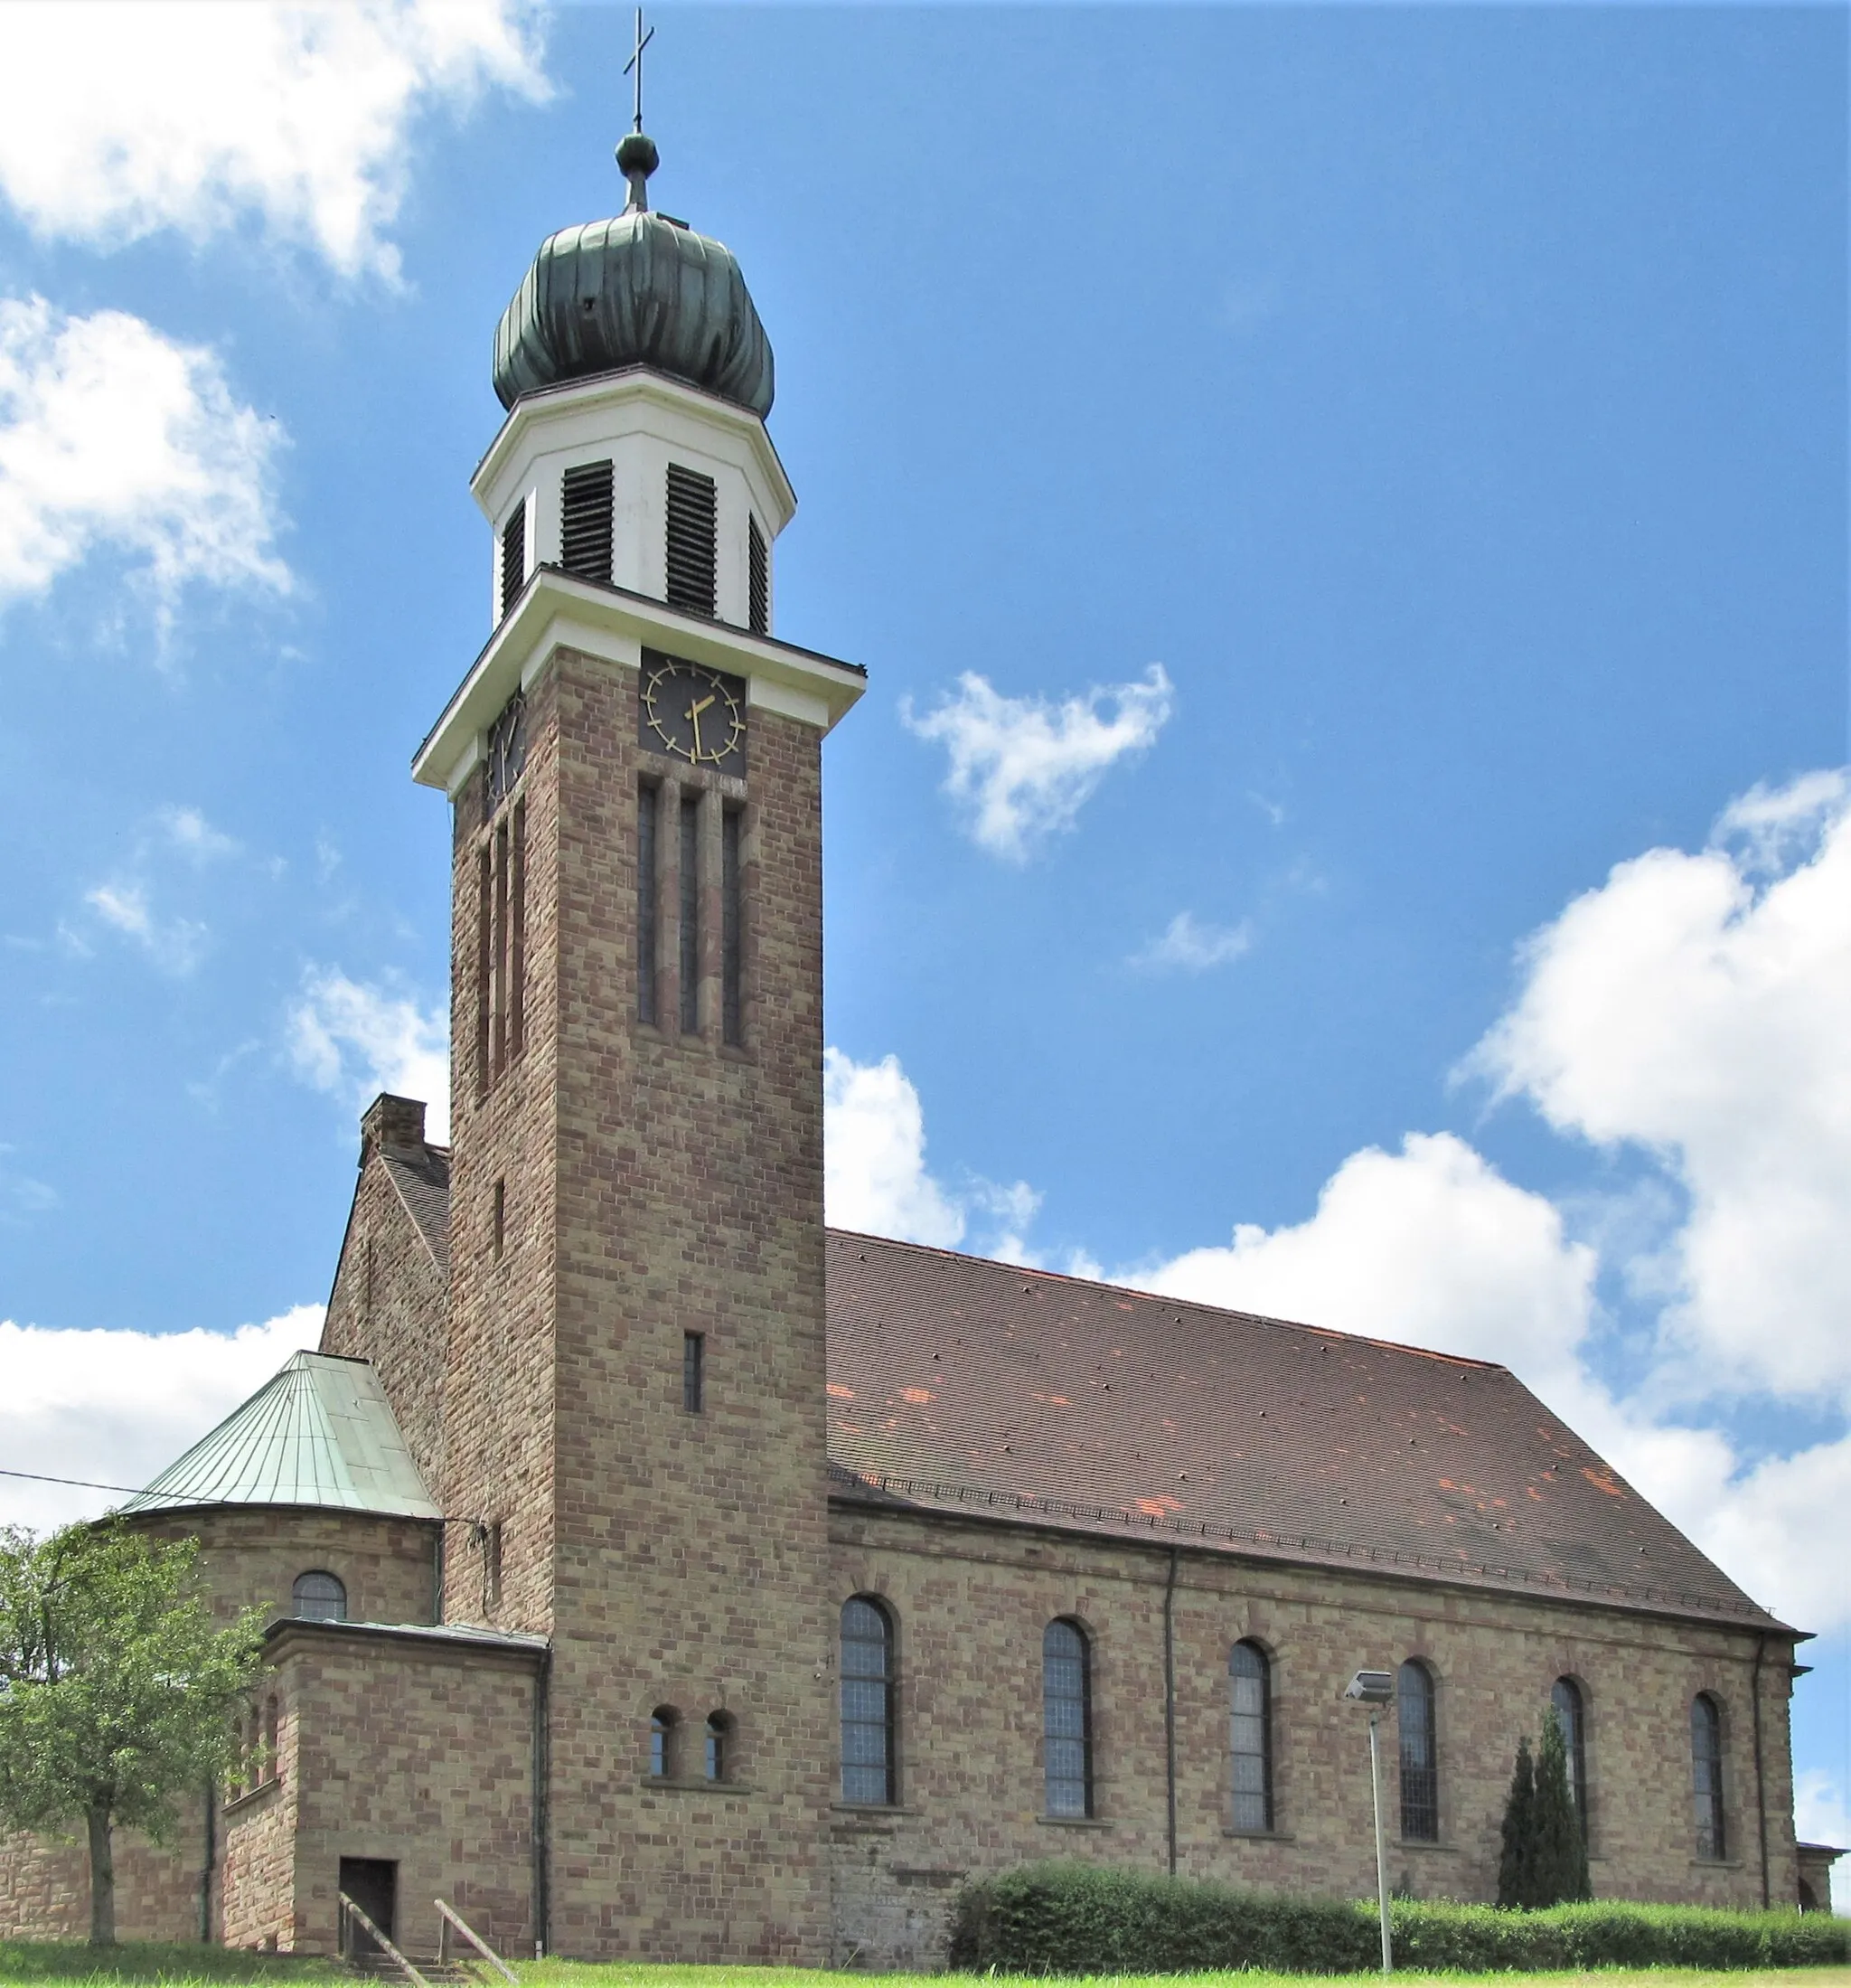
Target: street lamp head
(1371, 1687)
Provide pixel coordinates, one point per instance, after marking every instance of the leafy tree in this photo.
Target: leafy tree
(118, 1689)
(1517, 1857)
(1560, 1869)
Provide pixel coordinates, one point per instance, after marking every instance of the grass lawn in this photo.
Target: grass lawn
(131, 1965)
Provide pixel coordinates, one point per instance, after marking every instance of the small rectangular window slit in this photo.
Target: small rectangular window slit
(498, 1221)
(732, 938)
(484, 965)
(693, 1372)
(498, 1045)
(648, 909)
(517, 931)
(690, 961)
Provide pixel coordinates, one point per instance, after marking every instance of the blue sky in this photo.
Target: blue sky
(1343, 511)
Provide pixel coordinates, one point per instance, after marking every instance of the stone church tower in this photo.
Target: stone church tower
(632, 1377)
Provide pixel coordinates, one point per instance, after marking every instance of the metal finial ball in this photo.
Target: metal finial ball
(637, 154)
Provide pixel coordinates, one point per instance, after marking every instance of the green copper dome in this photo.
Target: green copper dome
(641, 290)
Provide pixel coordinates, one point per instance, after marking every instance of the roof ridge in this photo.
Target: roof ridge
(1161, 1297)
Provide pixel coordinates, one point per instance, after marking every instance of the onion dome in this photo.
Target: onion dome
(641, 290)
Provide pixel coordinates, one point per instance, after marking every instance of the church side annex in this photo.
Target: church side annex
(659, 1575)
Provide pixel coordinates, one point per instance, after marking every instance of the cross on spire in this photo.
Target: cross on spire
(635, 64)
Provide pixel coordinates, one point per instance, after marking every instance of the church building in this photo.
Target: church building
(659, 1574)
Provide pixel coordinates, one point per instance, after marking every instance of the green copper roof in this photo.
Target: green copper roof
(320, 1432)
(642, 289)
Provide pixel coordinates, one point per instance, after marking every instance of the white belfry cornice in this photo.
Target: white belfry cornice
(557, 610)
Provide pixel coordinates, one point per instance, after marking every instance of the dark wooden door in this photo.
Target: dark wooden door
(372, 1883)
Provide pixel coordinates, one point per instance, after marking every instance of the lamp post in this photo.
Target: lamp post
(1375, 1689)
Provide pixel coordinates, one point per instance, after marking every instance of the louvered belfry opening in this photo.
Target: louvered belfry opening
(692, 508)
(585, 521)
(757, 579)
(513, 554)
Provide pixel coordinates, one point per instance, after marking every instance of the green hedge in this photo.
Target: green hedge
(1082, 1919)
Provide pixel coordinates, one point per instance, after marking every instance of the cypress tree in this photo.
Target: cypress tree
(1560, 1868)
(1516, 1858)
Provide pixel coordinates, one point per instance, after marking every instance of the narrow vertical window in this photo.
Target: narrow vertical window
(663, 1722)
(1565, 1697)
(732, 930)
(1707, 1775)
(485, 963)
(513, 554)
(491, 1565)
(648, 909)
(1420, 1766)
(498, 1219)
(693, 1371)
(719, 1733)
(867, 1679)
(692, 512)
(585, 521)
(757, 579)
(1250, 1736)
(517, 929)
(691, 914)
(1066, 1720)
(498, 995)
(272, 1729)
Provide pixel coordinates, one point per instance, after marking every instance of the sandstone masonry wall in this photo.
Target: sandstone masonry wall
(419, 1752)
(971, 1602)
(498, 1469)
(691, 1547)
(45, 1885)
(251, 1554)
(390, 1304)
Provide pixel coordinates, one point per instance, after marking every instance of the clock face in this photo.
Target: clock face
(507, 750)
(696, 713)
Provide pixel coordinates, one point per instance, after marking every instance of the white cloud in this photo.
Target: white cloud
(875, 1176)
(120, 119)
(118, 1406)
(112, 435)
(1188, 945)
(189, 832)
(1023, 768)
(1430, 1245)
(355, 1040)
(1694, 1007)
(1821, 1816)
(174, 945)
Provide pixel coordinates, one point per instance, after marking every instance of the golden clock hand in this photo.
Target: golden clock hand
(694, 712)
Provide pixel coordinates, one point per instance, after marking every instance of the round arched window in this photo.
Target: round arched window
(663, 1730)
(717, 1760)
(320, 1596)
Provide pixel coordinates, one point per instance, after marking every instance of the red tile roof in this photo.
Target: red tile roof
(960, 1384)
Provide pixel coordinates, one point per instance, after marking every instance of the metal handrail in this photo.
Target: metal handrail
(386, 1946)
(481, 1945)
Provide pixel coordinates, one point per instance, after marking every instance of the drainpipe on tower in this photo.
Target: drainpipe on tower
(543, 1804)
(1169, 1704)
